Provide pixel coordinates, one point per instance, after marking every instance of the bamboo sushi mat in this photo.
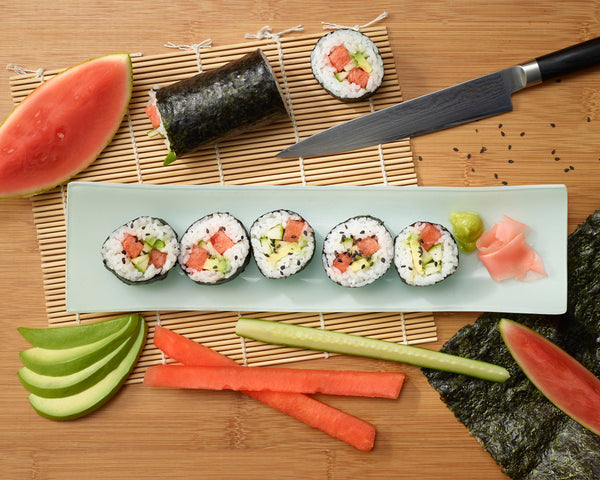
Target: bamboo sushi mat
(133, 157)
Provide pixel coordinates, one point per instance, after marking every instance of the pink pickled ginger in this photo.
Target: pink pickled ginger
(505, 253)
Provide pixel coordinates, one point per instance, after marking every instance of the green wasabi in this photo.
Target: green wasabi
(467, 227)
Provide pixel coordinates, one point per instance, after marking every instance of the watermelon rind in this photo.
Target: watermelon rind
(564, 381)
(63, 125)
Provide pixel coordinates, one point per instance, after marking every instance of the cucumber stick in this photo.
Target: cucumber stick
(336, 342)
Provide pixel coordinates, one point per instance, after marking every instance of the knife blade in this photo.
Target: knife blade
(462, 103)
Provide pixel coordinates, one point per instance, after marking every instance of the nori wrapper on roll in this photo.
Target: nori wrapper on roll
(220, 103)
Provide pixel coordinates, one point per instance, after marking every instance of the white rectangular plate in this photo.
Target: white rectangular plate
(94, 210)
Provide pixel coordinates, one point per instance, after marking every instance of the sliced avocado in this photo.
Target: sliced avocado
(275, 233)
(347, 243)
(70, 360)
(416, 251)
(63, 386)
(72, 335)
(219, 264)
(362, 62)
(266, 246)
(432, 267)
(154, 242)
(350, 65)
(141, 263)
(359, 264)
(90, 399)
(425, 257)
(283, 249)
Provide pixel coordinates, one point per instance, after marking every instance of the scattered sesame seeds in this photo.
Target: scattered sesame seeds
(502, 133)
(420, 158)
(553, 151)
(553, 125)
(499, 125)
(556, 159)
(511, 161)
(589, 119)
(509, 147)
(566, 170)
(455, 149)
(468, 156)
(495, 175)
(504, 182)
(522, 133)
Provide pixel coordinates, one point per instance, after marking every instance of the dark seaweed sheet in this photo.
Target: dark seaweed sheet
(220, 103)
(525, 433)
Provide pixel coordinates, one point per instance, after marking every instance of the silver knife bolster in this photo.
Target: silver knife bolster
(531, 73)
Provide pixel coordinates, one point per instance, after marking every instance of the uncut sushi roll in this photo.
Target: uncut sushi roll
(214, 249)
(141, 251)
(425, 253)
(216, 104)
(358, 251)
(347, 64)
(283, 243)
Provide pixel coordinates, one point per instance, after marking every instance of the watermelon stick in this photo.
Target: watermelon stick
(331, 382)
(341, 425)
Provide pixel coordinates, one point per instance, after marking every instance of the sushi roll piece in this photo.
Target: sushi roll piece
(347, 64)
(358, 251)
(141, 251)
(283, 243)
(216, 104)
(214, 249)
(425, 253)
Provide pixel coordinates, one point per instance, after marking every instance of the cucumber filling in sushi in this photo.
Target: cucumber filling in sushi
(425, 253)
(347, 64)
(214, 249)
(283, 243)
(358, 251)
(142, 250)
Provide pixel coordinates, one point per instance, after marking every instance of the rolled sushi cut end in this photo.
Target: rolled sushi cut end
(141, 251)
(358, 251)
(347, 64)
(425, 253)
(214, 249)
(215, 105)
(283, 243)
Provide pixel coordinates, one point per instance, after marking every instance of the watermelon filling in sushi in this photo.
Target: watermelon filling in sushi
(425, 253)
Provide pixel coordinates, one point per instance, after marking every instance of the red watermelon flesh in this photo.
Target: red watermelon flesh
(63, 125)
(562, 379)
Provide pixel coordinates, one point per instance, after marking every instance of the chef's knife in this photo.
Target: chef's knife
(468, 101)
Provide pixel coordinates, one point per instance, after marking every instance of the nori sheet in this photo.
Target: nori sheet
(220, 103)
(523, 431)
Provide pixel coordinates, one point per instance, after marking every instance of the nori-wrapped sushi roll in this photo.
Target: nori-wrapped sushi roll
(358, 251)
(425, 253)
(283, 243)
(347, 64)
(214, 249)
(216, 104)
(141, 251)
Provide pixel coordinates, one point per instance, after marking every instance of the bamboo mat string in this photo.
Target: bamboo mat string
(335, 26)
(380, 150)
(403, 326)
(322, 322)
(196, 47)
(265, 33)
(24, 71)
(136, 155)
(162, 354)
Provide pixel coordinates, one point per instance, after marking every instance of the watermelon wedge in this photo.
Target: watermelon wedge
(63, 125)
(562, 379)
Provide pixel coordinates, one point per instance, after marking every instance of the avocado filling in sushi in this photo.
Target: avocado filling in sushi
(283, 243)
(425, 254)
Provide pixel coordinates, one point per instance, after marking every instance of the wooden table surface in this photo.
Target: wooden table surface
(552, 136)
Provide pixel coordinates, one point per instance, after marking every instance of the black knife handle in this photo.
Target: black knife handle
(577, 57)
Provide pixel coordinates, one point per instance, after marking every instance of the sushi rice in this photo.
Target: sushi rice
(343, 238)
(144, 228)
(274, 256)
(230, 263)
(443, 264)
(324, 71)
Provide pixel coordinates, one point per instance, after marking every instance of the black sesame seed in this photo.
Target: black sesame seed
(123, 260)
(455, 149)
(511, 161)
(469, 155)
(362, 232)
(123, 252)
(522, 133)
(509, 147)
(556, 159)
(420, 158)
(566, 170)
(495, 175)
(472, 169)
(235, 257)
(298, 262)
(589, 119)
(362, 266)
(571, 167)
(553, 125)
(382, 260)
(483, 149)
(504, 183)
(502, 133)
(553, 151)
